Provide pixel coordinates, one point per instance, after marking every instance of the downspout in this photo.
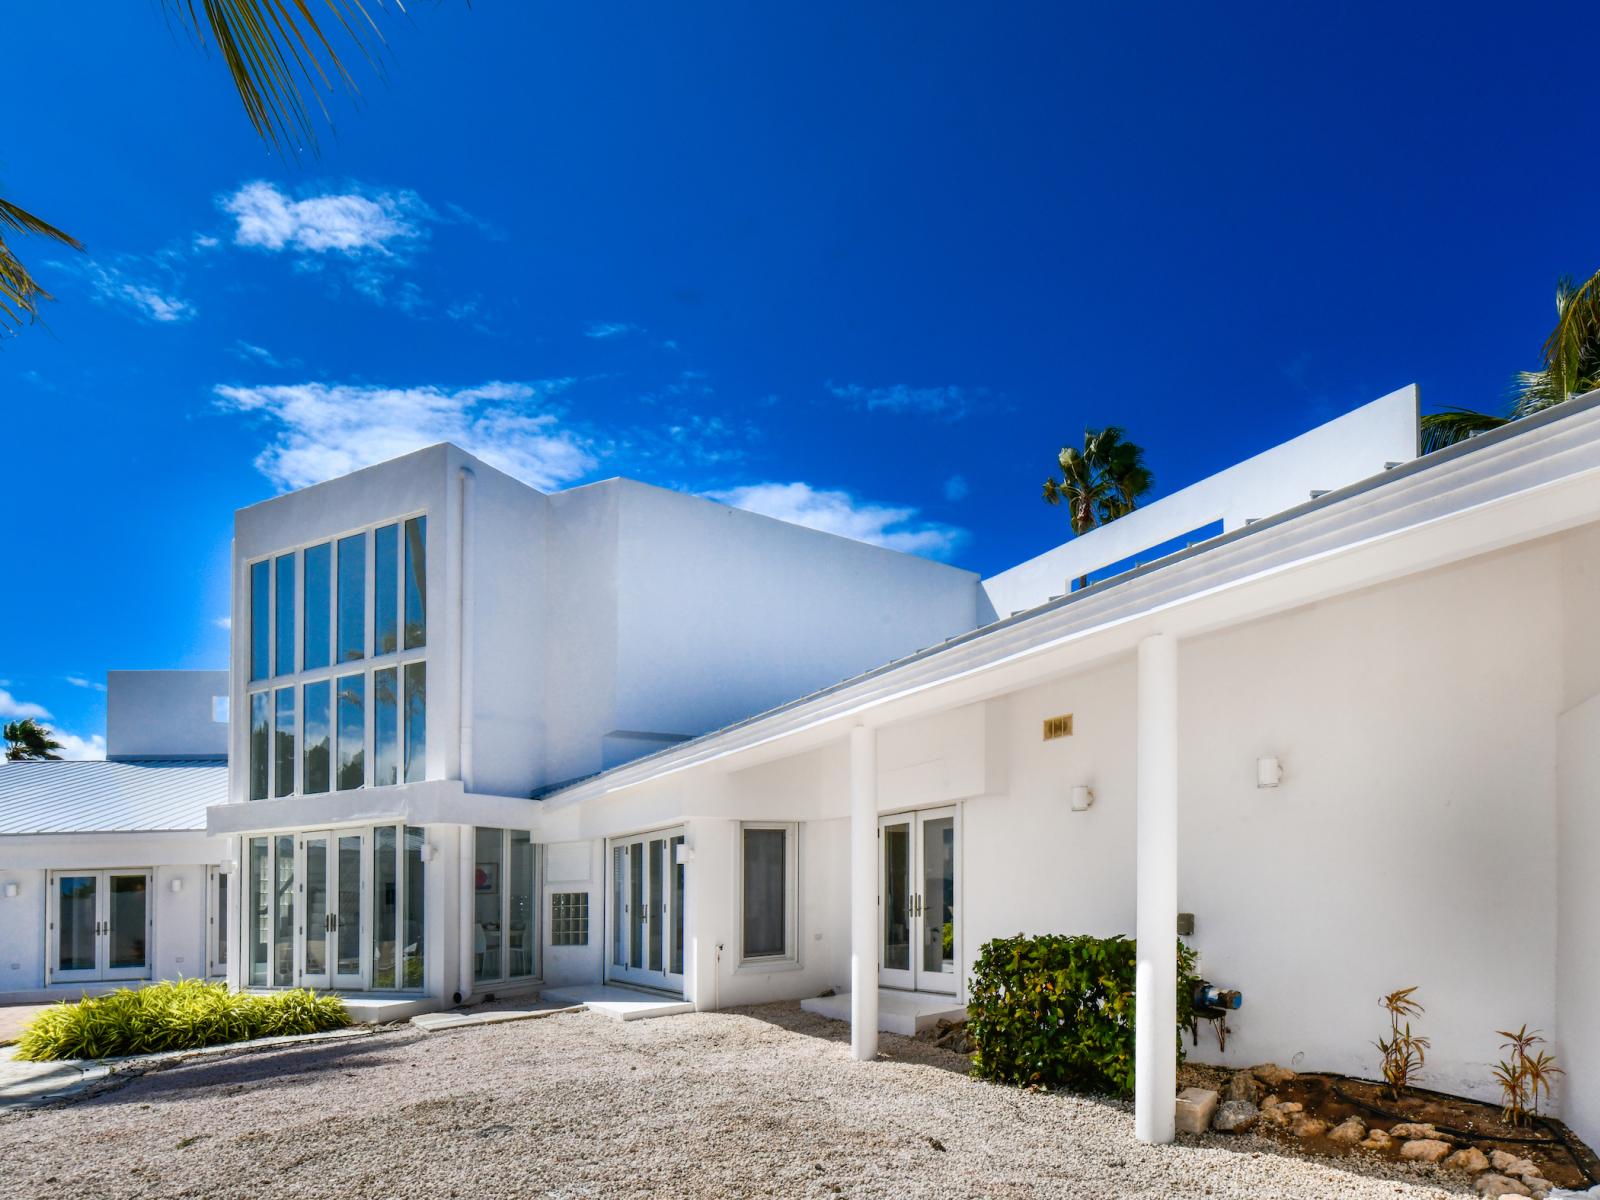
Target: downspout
(464, 700)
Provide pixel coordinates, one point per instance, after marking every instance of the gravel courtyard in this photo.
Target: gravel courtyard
(760, 1101)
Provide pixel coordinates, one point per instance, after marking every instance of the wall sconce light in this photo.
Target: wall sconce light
(176, 885)
(429, 852)
(1269, 772)
(11, 891)
(684, 853)
(1082, 797)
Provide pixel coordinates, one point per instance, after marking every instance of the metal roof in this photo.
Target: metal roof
(93, 796)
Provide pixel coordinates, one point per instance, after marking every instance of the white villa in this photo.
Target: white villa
(1338, 705)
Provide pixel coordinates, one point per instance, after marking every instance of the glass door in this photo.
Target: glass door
(75, 932)
(917, 901)
(647, 892)
(315, 924)
(99, 925)
(334, 910)
(127, 925)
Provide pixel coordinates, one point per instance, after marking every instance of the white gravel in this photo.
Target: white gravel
(760, 1101)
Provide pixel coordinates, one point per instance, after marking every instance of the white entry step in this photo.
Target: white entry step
(619, 1003)
(904, 1013)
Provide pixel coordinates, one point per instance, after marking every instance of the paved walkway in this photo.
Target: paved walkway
(15, 1017)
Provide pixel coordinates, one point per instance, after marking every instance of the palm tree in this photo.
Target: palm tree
(277, 55)
(1103, 481)
(27, 739)
(1571, 367)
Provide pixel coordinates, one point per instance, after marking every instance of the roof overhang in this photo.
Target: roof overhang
(436, 802)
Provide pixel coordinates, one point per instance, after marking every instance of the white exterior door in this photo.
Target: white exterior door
(645, 934)
(99, 925)
(334, 910)
(918, 931)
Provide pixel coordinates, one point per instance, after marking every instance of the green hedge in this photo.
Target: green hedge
(1058, 1012)
(173, 1016)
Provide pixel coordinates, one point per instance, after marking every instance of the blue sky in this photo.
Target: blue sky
(864, 265)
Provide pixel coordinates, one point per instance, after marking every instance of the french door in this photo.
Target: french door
(918, 929)
(645, 933)
(100, 925)
(334, 910)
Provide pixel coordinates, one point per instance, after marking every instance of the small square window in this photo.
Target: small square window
(569, 919)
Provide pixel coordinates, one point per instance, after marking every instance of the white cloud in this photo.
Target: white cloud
(323, 430)
(75, 747)
(956, 488)
(250, 352)
(222, 622)
(609, 329)
(832, 511)
(80, 682)
(115, 286)
(13, 709)
(349, 223)
(949, 402)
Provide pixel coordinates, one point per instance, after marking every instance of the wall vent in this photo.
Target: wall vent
(1057, 727)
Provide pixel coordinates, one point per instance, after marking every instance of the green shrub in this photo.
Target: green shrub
(1058, 1012)
(173, 1016)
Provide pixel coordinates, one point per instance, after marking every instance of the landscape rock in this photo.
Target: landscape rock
(1405, 1131)
(1272, 1074)
(1196, 1107)
(1243, 1086)
(1537, 1184)
(1350, 1131)
(1235, 1116)
(1510, 1164)
(1472, 1160)
(1377, 1140)
(1280, 1114)
(1308, 1127)
(1500, 1185)
(1428, 1150)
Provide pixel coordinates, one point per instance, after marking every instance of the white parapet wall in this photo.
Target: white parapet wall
(1345, 450)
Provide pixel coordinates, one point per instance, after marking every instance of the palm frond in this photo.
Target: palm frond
(1452, 425)
(278, 55)
(1575, 336)
(20, 292)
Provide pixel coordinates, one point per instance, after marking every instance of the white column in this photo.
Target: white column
(1155, 1059)
(864, 893)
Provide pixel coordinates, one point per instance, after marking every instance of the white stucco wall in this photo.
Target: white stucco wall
(160, 714)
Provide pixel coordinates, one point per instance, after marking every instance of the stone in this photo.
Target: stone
(1377, 1139)
(1235, 1116)
(1272, 1074)
(1243, 1086)
(1510, 1164)
(1308, 1127)
(1537, 1184)
(1428, 1150)
(1281, 1114)
(1471, 1160)
(1491, 1185)
(1196, 1107)
(1348, 1132)
(1405, 1131)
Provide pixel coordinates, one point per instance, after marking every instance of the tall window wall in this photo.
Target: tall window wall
(337, 695)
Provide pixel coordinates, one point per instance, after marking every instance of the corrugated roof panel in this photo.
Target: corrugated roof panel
(108, 797)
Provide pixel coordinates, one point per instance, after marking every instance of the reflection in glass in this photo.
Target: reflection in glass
(385, 727)
(385, 583)
(765, 922)
(658, 895)
(416, 582)
(317, 738)
(125, 946)
(258, 911)
(283, 913)
(520, 924)
(347, 916)
(318, 601)
(283, 658)
(487, 882)
(222, 922)
(677, 904)
(316, 906)
(636, 906)
(386, 898)
(938, 895)
(352, 731)
(352, 597)
(260, 616)
(897, 897)
(413, 936)
(76, 897)
(619, 938)
(258, 745)
(416, 722)
(283, 743)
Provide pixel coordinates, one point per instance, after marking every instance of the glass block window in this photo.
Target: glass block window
(569, 919)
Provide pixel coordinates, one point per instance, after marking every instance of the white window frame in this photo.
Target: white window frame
(791, 895)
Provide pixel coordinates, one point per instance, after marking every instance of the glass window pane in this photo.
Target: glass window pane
(222, 922)
(352, 597)
(619, 937)
(939, 895)
(260, 615)
(318, 735)
(318, 602)
(416, 722)
(521, 927)
(316, 897)
(351, 740)
(386, 901)
(283, 656)
(412, 936)
(347, 914)
(677, 906)
(385, 727)
(75, 915)
(283, 743)
(125, 944)
(283, 913)
(385, 582)
(258, 910)
(487, 884)
(416, 582)
(896, 843)
(658, 896)
(765, 921)
(636, 905)
(258, 745)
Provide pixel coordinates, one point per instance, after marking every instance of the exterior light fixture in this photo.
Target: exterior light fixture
(684, 853)
(429, 852)
(1082, 797)
(1269, 772)
(11, 891)
(176, 885)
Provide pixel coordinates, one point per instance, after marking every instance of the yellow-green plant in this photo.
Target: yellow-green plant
(1403, 1052)
(1522, 1076)
(184, 1015)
